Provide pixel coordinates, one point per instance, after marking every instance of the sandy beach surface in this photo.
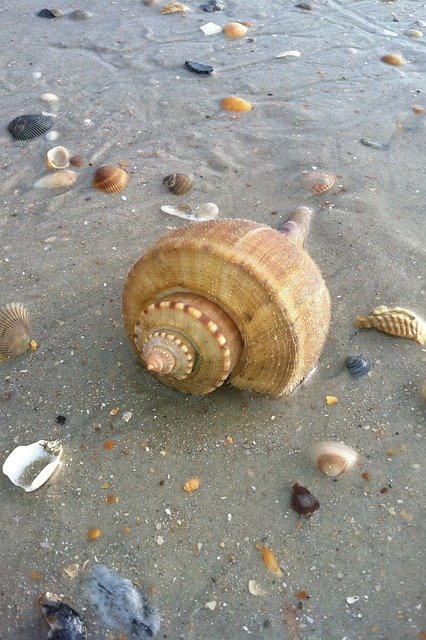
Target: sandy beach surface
(353, 570)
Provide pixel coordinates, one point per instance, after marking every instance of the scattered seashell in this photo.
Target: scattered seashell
(178, 183)
(269, 559)
(65, 178)
(65, 622)
(255, 589)
(14, 330)
(94, 534)
(371, 143)
(395, 59)
(199, 67)
(398, 322)
(318, 181)
(175, 7)
(302, 501)
(418, 109)
(77, 161)
(210, 29)
(29, 126)
(192, 484)
(414, 33)
(57, 13)
(235, 104)
(211, 605)
(30, 466)
(49, 97)
(80, 14)
(110, 179)
(352, 599)
(71, 570)
(235, 30)
(208, 211)
(330, 400)
(308, 6)
(358, 366)
(212, 5)
(289, 54)
(333, 458)
(57, 158)
(51, 136)
(150, 3)
(49, 13)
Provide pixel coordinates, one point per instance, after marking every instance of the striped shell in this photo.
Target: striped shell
(318, 181)
(29, 126)
(234, 30)
(178, 183)
(110, 179)
(395, 59)
(57, 158)
(333, 458)
(398, 322)
(14, 330)
(233, 103)
(227, 298)
(358, 366)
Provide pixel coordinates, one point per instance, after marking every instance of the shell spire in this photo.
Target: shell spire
(298, 224)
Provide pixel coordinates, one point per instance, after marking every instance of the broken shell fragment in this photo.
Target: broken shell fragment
(57, 158)
(255, 589)
(14, 330)
(302, 500)
(178, 183)
(398, 322)
(333, 458)
(175, 7)
(318, 181)
(235, 104)
(30, 466)
(65, 178)
(289, 54)
(269, 559)
(29, 126)
(210, 29)
(234, 30)
(49, 97)
(110, 179)
(65, 622)
(207, 211)
(395, 59)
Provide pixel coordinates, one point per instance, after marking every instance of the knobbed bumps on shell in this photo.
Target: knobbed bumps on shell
(110, 179)
(236, 104)
(333, 458)
(29, 126)
(14, 330)
(398, 322)
(178, 183)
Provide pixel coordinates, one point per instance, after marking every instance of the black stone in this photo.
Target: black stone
(46, 13)
(61, 420)
(199, 67)
(212, 5)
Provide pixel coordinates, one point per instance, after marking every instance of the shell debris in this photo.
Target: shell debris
(210, 29)
(175, 7)
(64, 178)
(30, 466)
(398, 322)
(14, 330)
(269, 559)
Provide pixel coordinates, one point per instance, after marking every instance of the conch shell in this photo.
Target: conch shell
(397, 322)
(228, 298)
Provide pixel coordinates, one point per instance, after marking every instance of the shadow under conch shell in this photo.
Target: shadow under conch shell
(178, 183)
(29, 126)
(110, 179)
(30, 466)
(14, 330)
(65, 622)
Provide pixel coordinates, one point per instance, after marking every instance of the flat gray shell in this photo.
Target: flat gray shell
(358, 366)
(29, 126)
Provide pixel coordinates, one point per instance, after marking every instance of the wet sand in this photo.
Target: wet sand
(124, 96)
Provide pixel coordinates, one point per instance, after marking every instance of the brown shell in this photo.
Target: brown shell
(235, 30)
(77, 161)
(14, 330)
(318, 181)
(178, 183)
(251, 292)
(234, 103)
(110, 179)
(395, 59)
(397, 322)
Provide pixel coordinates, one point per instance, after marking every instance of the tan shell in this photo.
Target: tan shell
(175, 7)
(57, 158)
(395, 59)
(57, 180)
(228, 298)
(178, 183)
(235, 30)
(397, 322)
(14, 330)
(236, 104)
(333, 458)
(110, 179)
(318, 181)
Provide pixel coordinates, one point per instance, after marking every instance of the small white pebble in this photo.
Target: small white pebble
(352, 599)
(37, 75)
(211, 605)
(160, 540)
(51, 136)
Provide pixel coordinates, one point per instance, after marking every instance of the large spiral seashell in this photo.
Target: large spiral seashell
(14, 330)
(178, 183)
(110, 179)
(333, 458)
(223, 299)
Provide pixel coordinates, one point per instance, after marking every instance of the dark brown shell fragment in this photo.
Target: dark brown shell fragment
(302, 500)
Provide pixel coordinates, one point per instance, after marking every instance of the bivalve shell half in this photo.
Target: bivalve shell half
(29, 126)
(395, 59)
(358, 366)
(14, 330)
(57, 180)
(333, 458)
(318, 181)
(236, 104)
(234, 30)
(57, 158)
(30, 466)
(110, 179)
(178, 183)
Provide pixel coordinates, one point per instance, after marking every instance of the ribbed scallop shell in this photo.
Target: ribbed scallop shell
(178, 183)
(14, 330)
(333, 458)
(395, 59)
(236, 104)
(234, 30)
(398, 322)
(318, 181)
(57, 158)
(110, 179)
(263, 280)
(29, 126)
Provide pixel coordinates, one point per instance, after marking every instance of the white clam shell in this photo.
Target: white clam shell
(49, 97)
(207, 211)
(30, 466)
(333, 458)
(57, 158)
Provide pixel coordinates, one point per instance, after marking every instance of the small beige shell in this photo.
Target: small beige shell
(333, 458)
(234, 30)
(14, 330)
(110, 179)
(57, 158)
(65, 178)
(175, 7)
(178, 183)
(395, 59)
(318, 181)
(397, 322)
(49, 97)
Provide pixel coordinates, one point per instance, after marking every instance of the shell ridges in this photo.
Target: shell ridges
(14, 330)
(110, 179)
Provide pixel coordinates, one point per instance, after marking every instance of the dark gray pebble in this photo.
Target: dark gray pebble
(46, 13)
(199, 67)
(212, 5)
(358, 366)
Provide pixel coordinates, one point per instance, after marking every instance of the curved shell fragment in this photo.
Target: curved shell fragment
(30, 466)
(207, 211)
(398, 322)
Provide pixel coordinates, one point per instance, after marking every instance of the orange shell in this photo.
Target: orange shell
(110, 179)
(235, 30)
(233, 103)
(396, 59)
(318, 181)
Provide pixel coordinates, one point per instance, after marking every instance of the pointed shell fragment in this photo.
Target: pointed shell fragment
(29, 126)
(110, 179)
(318, 181)
(57, 158)
(236, 104)
(395, 59)
(30, 466)
(57, 180)
(175, 7)
(333, 458)
(234, 30)
(14, 330)
(398, 322)
(269, 559)
(178, 183)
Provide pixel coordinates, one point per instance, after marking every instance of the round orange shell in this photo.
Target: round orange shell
(234, 30)
(110, 179)
(395, 59)
(233, 103)
(318, 181)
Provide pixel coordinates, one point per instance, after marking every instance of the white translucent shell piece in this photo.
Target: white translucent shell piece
(30, 466)
(207, 211)
(57, 158)
(333, 458)
(289, 54)
(210, 28)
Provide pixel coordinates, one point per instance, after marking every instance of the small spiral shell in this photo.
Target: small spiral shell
(14, 330)
(234, 30)
(178, 183)
(333, 458)
(236, 104)
(110, 179)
